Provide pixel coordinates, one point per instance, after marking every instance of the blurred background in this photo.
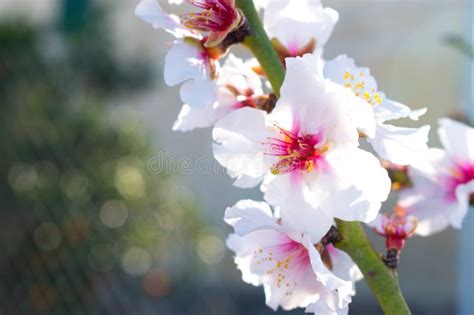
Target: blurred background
(89, 226)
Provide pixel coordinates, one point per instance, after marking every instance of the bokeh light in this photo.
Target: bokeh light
(136, 261)
(156, 283)
(129, 181)
(211, 249)
(114, 213)
(47, 236)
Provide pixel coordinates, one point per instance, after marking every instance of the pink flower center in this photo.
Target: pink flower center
(217, 16)
(460, 174)
(296, 151)
(283, 261)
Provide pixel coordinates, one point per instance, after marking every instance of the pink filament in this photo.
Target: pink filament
(218, 16)
(296, 151)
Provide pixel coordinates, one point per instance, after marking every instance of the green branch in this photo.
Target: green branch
(382, 281)
(261, 46)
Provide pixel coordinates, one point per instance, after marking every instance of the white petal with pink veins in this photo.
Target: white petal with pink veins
(314, 104)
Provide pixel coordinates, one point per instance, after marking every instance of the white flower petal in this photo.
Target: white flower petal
(338, 70)
(244, 181)
(401, 146)
(433, 212)
(245, 248)
(343, 265)
(190, 118)
(391, 110)
(240, 75)
(247, 216)
(208, 101)
(151, 12)
(300, 101)
(324, 275)
(425, 171)
(199, 93)
(463, 192)
(295, 23)
(296, 213)
(417, 113)
(363, 116)
(261, 4)
(426, 199)
(327, 304)
(343, 70)
(457, 138)
(377, 223)
(279, 263)
(184, 61)
(314, 105)
(239, 141)
(307, 288)
(357, 185)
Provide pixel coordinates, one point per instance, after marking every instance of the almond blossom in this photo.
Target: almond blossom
(443, 183)
(298, 27)
(307, 151)
(294, 271)
(398, 145)
(189, 60)
(237, 86)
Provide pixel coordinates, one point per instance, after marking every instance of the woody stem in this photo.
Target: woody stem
(261, 46)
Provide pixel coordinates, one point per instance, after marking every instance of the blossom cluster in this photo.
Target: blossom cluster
(302, 146)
